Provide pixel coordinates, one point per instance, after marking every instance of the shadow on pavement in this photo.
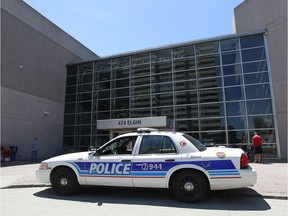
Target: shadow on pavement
(215, 200)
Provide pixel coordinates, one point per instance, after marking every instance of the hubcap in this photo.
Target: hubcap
(63, 182)
(189, 186)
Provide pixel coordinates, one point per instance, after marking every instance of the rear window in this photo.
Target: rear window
(195, 142)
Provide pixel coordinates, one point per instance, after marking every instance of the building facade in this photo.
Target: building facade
(34, 55)
(272, 16)
(217, 90)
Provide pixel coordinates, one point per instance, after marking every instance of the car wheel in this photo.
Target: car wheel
(189, 186)
(64, 182)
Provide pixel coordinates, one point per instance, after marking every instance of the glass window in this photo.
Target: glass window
(160, 78)
(236, 123)
(160, 88)
(235, 108)
(252, 41)
(84, 106)
(85, 78)
(186, 111)
(121, 103)
(70, 98)
(161, 55)
(83, 118)
(154, 144)
(121, 92)
(104, 85)
(183, 52)
(263, 121)
(184, 64)
(255, 67)
(237, 137)
(185, 75)
(258, 91)
(70, 108)
(83, 130)
(161, 67)
(256, 78)
(103, 94)
(140, 101)
(209, 72)
(140, 113)
(68, 130)
(208, 61)
(207, 48)
(267, 135)
(253, 54)
(140, 59)
(103, 115)
(122, 145)
(140, 81)
(71, 90)
(69, 119)
(84, 88)
(72, 70)
(103, 105)
(103, 76)
(187, 125)
(84, 96)
(162, 100)
(230, 58)
(140, 90)
(71, 80)
(121, 73)
(185, 85)
(211, 95)
(122, 83)
(232, 69)
(103, 65)
(259, 107)
(212, 124)
(141, 70)
(229, 45)
(233, 80)
(121, 62)
(189, 97)
(210, 83)
(234, 93)
(218, 137)
(120, 114)
(212, 110)
(163, 111)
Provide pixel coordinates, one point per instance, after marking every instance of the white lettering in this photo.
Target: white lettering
(126, 169)
(110, 168)
(92, 167)
(100, 168)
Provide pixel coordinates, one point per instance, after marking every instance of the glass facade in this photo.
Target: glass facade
(218, 91)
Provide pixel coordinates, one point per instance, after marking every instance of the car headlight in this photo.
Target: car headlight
(44, 166)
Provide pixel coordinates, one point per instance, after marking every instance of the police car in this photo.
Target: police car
(152, 159)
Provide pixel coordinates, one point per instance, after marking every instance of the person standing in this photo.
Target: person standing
(34, 150)
(257, 143)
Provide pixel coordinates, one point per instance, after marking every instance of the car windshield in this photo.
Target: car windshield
(195, 142)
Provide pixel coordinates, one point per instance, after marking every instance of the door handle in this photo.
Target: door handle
(125, 161)
(169, 160)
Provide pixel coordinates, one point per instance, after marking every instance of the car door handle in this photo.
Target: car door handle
(169, 160)
(125, 161)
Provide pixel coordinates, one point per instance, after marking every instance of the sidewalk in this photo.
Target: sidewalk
(271, 178)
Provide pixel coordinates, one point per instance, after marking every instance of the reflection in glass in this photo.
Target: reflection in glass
(140, 59)
(103, 65)
(255, 67)
(229, 45)
(253, 54)
(103, 105)
(212, 110)
(160, 78)
(69, 119)
(190, 125)
(257, 91)
(207, 48)
(211, 95)
(263, 121)
(233, 80)
(183, 52)
(185, 75)
(140, 101)
(140, 90)
(235, 108)
(208, 61)
(140, 113)
(237, 137)
(140, 81)
(232, 69)
(218, 137)
(209, 72)
(259, 107)
(236, 123)
(184, 64)
(252, 41)
(163, 111)
(210, 83)
(187, 111)
(121, 62)
(71, 80)
(267, 135)
(212, 124)
(188, 97)
(160, 88)
(162, 100)
(185, 85)
(230, 58)
(256, 78)
(234, 93)
(142, 70)
(161, 67)
(161, 55)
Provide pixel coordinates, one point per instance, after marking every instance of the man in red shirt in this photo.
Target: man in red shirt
(257, 143)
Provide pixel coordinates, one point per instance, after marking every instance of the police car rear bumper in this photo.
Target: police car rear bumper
(43, 176)
(246, 178)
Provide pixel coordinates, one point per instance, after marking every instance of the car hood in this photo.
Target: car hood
(69, 157)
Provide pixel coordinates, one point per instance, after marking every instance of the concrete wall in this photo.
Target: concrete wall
(252, 15)
(35, 53)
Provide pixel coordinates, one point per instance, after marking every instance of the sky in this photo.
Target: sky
(109, 27)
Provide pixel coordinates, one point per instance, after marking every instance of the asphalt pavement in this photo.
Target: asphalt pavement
(271, 178)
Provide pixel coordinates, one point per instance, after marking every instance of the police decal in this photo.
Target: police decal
(109, 168)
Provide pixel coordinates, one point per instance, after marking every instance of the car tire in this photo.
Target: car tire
(189, 186)
(64, 182)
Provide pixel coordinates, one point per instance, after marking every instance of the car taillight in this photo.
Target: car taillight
(244, 161)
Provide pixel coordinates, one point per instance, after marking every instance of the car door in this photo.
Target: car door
(156, 155)
(112, 164)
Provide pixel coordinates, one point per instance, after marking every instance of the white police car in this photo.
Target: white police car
(153, 159)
